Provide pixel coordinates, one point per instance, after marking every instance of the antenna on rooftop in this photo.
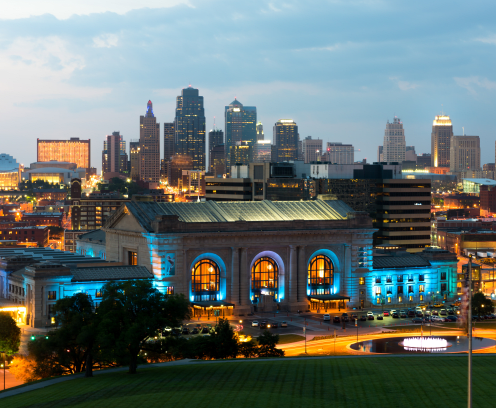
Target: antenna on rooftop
(463, 129)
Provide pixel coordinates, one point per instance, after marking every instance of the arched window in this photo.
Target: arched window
(205, 281)
(320, 275)
(264, 274)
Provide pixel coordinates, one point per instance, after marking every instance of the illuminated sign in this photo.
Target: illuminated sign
(236, 109)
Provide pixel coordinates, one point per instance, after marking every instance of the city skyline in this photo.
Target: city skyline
(338, 81)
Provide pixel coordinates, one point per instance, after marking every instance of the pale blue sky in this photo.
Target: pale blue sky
(340, 69)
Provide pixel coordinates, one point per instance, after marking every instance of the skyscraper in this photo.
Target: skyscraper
(72, 151)
(134, 149)
(262, 151)
(217, 160)
(240, 125)
(286, 140)
(311, 149)
(189, 125)
(442, 131)
(215, 138)
(114, 156)
(168, 141)
(464, 153)
(339, 153)
(394, 147)
(149, 147)
(260, 132)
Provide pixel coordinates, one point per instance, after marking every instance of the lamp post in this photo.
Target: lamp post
(3, 353)
(469, 396)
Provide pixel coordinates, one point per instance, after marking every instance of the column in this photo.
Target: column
(293, 275)
(235, 298)
(244, 280)
(302, 275)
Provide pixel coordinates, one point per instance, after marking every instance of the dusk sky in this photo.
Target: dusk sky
(340, 69)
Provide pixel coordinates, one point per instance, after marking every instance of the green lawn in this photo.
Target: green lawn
(290, 338)
(348, 382)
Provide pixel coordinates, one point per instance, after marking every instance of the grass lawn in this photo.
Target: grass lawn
(350, 382)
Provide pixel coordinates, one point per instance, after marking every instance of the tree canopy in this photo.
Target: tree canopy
(481, 305)
(10, 334)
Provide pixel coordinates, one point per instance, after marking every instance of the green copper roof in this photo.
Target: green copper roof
(250, 211)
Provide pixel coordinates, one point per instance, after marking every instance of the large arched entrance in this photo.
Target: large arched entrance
(265, 283)
(205, 281)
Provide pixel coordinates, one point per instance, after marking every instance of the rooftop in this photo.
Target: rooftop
(110, 273)
(402, 261)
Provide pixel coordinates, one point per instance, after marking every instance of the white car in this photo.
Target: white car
(436, 319)
(369, 313)
(254, 323)
(327, 317)
(284, 324)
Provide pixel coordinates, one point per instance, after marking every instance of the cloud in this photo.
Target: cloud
(331, 48)
(473, 83)
(487, 40)
(404, 85)
(105, 41)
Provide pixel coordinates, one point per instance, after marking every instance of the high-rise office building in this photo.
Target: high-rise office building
(72, 151)
(215, 138)
(241, 153)
(339, 153)
(311, 149)
(286, 140)
(189, 123)
(218, 160)
(114, 156)
(394, 147)
(149, 147)
(262, 151)
(465, 153)
(410, 154)
(134, 149)
(168, 141)
(260, 132)
(380, 154)
(442, 131)
(240, 126)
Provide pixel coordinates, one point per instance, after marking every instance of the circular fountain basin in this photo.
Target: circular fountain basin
(435, 344)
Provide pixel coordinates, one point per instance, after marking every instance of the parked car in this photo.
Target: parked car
(370, 316)
(205, 330)
(369, 313)
(443, 312)
(411, 313)
(435, 312)
(284, 324)
(438, 304)
(393, 311)
(380, 317)
(345, 318)
(194, 331)
(185, 330)
(263, 324)
(451, 312)
(274, 325)
(436, 319)
(395, 315)
(403, 314)
(419, 313)
(417, 320)
(354, 317)
(327, 318)
(385, 313)
(255, 323)
(363, 318)
(336, 319)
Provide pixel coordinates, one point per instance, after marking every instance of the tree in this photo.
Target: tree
(481, 305)
(10, 334)
(76, 335)
(225, 342)
(248, 349)
(131, 312)
(23, 368)
(267, 345)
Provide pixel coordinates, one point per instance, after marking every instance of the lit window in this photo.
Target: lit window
(361, 281)
(389, 299)
(205, 280)
(132, 258)
(320, 271)
(377, 290)
(421, 288)
(421, 298)
(400, 299)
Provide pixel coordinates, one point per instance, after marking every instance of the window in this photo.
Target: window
(361, 281)
(410, 288)
(98, 293)
(421, 278)
(378, 279)
(400, 290)
(264, 274)
(389, 299)
(421, 288)
(170, 290)
(400, 278)
(320, 271)
(421, 298)
(400, 299)
(443, 287)
(52, 295)
(362, 292)
(410, 278)
(132, 258)
(50, 309)
(410, 298)
(205, 280)
(378, 290)
(389, 279)
(443, 275)
(389, 290)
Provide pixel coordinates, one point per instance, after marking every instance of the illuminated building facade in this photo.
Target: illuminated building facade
(149, 155)
(241, 153)
(286, 140)
(260, 131)
(10, 172)
(240, 126)
(394, 147)
(114, 156)
(218, 161)
(189, 126)
(215, 138)
(442, 132)
(72, 151)
(262, 151)
(465, 153)
(134, 149)
(178, 163)
(168, 140)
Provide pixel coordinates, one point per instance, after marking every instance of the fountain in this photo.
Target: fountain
(429, 344)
